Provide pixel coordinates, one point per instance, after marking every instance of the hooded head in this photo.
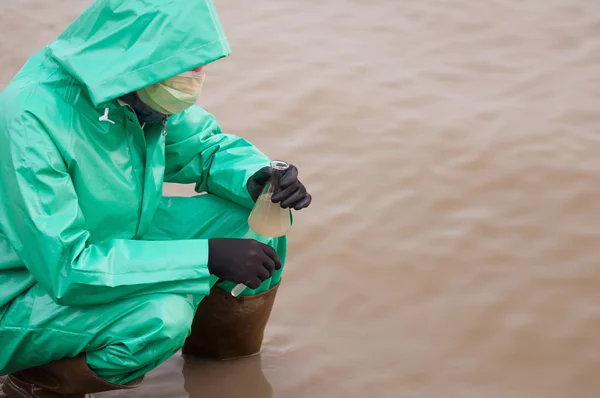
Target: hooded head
(117, 47)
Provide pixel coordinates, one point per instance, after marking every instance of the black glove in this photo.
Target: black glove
(244, 261)
(291, 192)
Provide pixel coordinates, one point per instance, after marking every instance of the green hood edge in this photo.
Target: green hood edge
(117, 47)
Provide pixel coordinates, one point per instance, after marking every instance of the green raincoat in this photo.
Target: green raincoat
(92, 257)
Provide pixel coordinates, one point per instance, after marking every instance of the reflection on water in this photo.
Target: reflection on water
(197, 378)
(242, 378)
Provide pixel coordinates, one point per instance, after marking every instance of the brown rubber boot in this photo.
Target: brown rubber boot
(2, 380)
(227, 327)
(66, 378)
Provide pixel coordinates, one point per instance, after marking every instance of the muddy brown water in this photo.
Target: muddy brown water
(453, 150)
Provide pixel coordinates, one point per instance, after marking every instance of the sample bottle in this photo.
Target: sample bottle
(268, 218)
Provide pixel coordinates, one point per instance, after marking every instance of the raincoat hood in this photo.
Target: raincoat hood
(116, 47)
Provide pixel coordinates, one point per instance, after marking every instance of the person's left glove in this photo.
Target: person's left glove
(291, 193)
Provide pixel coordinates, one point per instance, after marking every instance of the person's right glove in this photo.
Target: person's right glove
(246, 261)
(291, 193)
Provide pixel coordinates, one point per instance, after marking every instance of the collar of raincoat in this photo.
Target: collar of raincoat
(116, 47)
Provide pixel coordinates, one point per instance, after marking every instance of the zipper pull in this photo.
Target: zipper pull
(165, 130)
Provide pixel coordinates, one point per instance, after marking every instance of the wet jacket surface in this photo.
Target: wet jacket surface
(80, 179)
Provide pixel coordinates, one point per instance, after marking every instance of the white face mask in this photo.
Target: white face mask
(173, 95)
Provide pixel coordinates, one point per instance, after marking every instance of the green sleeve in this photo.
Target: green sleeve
(197, 151)
(41, 218)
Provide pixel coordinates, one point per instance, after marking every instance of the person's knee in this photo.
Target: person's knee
(235, 213)
(146, 337)
(159, 325)
(167, 321)
(170, 320)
